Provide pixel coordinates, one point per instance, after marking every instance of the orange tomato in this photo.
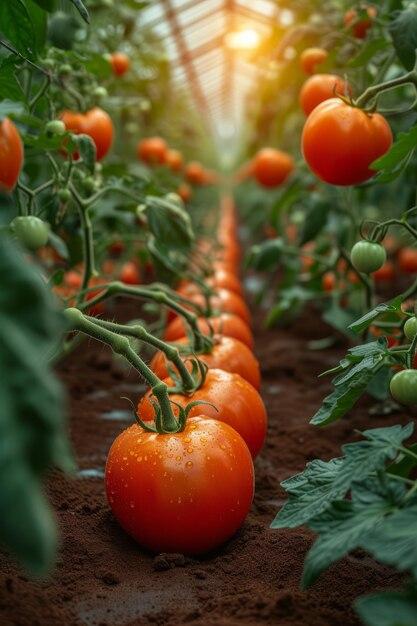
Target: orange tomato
(194, 173)
(225, 324)
(234, 401)
(120, 63)
(311, 57)
(129, 273)
(319, 88)
(152, 150)
(328, 281)
(385, 273)
(407, 260)
(96, 123)
(227, 354)
(360, 27)
(272, 167)
(174, 160)
(11, 155)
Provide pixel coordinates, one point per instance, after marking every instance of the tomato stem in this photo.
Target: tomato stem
(410, 78)
(120, 344)
(88, 240)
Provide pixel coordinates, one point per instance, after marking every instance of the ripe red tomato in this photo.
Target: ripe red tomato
(194, 173)
(174, 160)
(227, 354)
(272, 167)
(407, 260)
(184, 191)
(223, 279)
(319, 88)
(225, 324)
(96, 123)
(120, 63)
(328, 281)
(340, 142)
(385, 273)
(186, 492)
(237, 404)
(129, 273)
(311, 57)
(152, 150)
(11, 155)
(360, 27)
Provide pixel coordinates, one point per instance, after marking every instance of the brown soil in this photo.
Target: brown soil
(104, 578)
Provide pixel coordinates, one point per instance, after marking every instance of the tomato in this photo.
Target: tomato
(368, 256)
(225, 324)
(311, 57)
(72, 283)
(360, 27)
(11, 155)
(186, 492)
(31, 231)
(340, 142)
(235, 402)
(225, 280)
(194, 173)
(185, 192)
(272, 167)
(410, 328)
(407, 260)
(403, 386)
(116, 247)
(152, 150)
(120, 63)
(328, 281)
(55, 127)
(385, 273)
(129, 273)
(319, 88)
(96, 123)
(174, 160)
(227, 354)
(226, 302)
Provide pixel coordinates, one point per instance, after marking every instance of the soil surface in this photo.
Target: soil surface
(104, 578)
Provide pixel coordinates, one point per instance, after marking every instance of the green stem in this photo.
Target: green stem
(375, 90)
(172, 353)
(92, 199)
(120, 344)
(40, 93)
(411, 352)
(88, 239)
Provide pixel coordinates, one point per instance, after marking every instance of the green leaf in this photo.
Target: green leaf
(169, 223)
(31, 327)
(8, 107)
(344, 524)
(46, 5)
(338, 318)
(391, 164)
(265, 256)
(310, 493)
(405, 463)
(289, 304)
(315, 221)
(378, 387)
(403, 30)
(395, 541)
(87, 149)
(366, 320)
(17, 27)
(58, 244)
(10, 88)
(39, 21)
(367, 52)
(389, 608)
(80, 6)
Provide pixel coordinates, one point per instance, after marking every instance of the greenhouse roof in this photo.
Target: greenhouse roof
(212, 49)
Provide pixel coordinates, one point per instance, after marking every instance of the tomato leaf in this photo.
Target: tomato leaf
(168, 222)
(39, 21)
(367, 52)
(265, 256)
(87, 149)
(31, 328)
(10, 89)
(403, 30)
(17, 27)
(392, 163)
(46, 5)
(366, 320)
(315, 221)
(389, 608)
(344, 524)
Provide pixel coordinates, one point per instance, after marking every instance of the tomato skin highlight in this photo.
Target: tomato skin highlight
(339, 142)
(228, 354)
(272, 167)
(11, 155)
(311, 57)
(367, 256)
(225, 324)
(403, 386)
(235, 402)
(319, 88)
(186, 492)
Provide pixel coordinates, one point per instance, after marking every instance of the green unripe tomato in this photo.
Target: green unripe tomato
(89, 184)
(410, 328)
(64, 195)
(403, 387)
(174, 198)
(65, 69)
(48, 64)
(100, 92)
(368, 256)
(31, 231)
(55, 127)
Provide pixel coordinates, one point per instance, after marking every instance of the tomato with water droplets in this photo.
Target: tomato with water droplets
(184, 492)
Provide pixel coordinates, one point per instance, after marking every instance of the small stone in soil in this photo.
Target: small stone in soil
(164, 561)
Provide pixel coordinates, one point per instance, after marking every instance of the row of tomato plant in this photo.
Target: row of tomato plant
(340, 236)
(85, 223)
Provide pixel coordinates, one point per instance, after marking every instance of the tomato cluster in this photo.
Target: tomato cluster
(189, 491)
